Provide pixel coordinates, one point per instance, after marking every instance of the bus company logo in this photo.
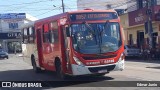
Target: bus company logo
(6, 84)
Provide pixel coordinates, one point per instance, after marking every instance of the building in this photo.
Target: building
(10, 33)
(119, 6)
(133, 19)
(101, 4)
(137, 33)
(125, 23)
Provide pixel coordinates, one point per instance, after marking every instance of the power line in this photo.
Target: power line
(46, 12)
(42, 9)
(23, 3)
(49, 10)
(32, 9)
(120, 4)
(22, 7)
(68, 8)
(98, 4)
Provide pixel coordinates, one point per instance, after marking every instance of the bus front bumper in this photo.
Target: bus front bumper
(84, 70)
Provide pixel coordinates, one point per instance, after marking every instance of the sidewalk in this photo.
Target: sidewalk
(133, 59)
(17, 55)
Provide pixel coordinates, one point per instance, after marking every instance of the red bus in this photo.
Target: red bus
(83, 42)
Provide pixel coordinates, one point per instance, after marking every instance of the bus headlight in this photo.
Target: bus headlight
(121, 64)
(78, 61)
(122, 57)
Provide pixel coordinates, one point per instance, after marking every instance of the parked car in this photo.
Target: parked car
(3, 54)
(131, 51)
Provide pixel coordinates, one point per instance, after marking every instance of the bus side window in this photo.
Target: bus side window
(46, 33)
(25, 35)
(53, 36)
(54, 32)
(31, 35)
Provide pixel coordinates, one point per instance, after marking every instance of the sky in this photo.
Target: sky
(37, 8)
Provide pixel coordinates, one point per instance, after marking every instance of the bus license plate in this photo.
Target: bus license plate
(102, 71)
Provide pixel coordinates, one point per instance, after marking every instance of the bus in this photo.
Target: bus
(82, 42)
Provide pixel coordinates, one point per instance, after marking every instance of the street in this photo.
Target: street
(80, 37)
(15, 69)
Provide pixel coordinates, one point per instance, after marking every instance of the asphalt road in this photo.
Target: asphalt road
(15, 69)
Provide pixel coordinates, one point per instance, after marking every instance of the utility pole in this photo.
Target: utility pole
(149, 22)
(63, 7)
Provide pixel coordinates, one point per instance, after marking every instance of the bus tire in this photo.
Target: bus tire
(100, 74)
(35, 68)
(7, 57)
(59, 71)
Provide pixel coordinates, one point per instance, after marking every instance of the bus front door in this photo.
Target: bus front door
(39, 47)
(66, 51)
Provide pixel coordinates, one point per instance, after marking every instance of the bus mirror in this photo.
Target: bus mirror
(67, 32)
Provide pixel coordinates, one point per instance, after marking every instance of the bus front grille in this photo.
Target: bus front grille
(96, 69)
(99, 57)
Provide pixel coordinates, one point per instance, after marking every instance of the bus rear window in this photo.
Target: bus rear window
(28, 35)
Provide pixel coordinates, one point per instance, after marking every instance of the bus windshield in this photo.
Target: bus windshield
(96, 38)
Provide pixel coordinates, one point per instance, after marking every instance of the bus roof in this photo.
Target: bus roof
(71, 12)
(91, 10)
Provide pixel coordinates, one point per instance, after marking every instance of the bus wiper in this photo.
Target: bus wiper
(105, 26)
(91, 30)
(101, 30)
(89, 27)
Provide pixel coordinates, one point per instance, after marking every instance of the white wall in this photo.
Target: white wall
(158, 2)
(5, 26)
(131, 6)
(101, 4)
(4, 23)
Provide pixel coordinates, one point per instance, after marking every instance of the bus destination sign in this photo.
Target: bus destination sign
(93, 16)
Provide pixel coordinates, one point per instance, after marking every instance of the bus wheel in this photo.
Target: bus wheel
(101, 74)
(35, 68)
(59, 71)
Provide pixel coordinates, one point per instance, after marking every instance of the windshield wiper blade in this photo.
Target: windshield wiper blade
(89, 27)
(101, 30)
(91, 30)
(105, 26)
